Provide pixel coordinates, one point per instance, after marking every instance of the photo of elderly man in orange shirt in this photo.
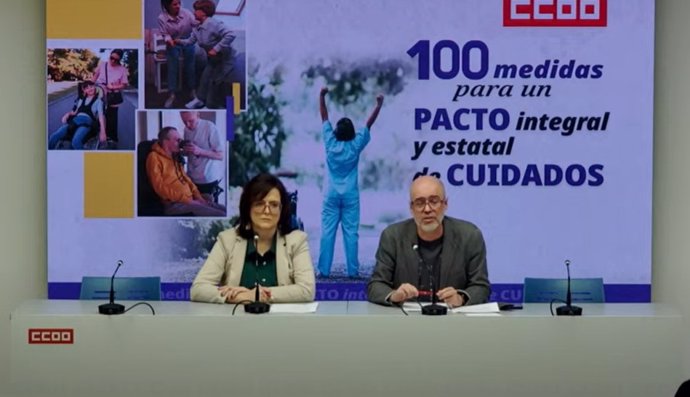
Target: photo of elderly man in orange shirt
(176, 190)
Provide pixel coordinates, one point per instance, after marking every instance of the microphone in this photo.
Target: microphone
(256, 307)
(433, 309)
(568, 309)
(112, 307)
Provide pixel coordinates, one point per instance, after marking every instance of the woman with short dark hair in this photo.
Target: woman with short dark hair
(262, 251)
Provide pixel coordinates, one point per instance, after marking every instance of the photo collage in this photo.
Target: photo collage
(168, 99)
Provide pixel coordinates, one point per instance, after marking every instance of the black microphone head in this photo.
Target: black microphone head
(120, 262)
(567, 262)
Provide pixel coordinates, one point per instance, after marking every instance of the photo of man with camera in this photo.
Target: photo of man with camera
(203, 148)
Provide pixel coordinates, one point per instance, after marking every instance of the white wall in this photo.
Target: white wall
(671, 233)
(22, 161)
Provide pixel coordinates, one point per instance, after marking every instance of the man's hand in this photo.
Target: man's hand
(379, 100)
(102, 137)
(324, 91)
(191, 148)
(451, 297)
(404, 292)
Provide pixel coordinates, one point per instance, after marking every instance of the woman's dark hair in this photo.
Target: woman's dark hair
(83, 86)
(119, 53)
(165, 5)
(344, 130)
(255, 190)
(207, 6)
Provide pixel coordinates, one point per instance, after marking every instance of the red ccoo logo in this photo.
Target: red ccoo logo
(573, 13)
(55, 336)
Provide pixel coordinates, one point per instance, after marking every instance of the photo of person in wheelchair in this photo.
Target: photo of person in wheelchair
(86, 120)
(177, 192)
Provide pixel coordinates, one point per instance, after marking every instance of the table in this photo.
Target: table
(346, 348)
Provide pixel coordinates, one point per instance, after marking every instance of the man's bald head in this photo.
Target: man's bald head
(427, 183)
(428, 204)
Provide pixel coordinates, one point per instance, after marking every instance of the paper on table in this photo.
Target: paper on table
(414, 306)
(294, 307)
(484, 309)
(491, 307)
(482, 314)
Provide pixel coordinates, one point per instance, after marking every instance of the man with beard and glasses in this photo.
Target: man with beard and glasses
(450, 250)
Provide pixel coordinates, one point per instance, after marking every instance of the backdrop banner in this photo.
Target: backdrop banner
(535, 115)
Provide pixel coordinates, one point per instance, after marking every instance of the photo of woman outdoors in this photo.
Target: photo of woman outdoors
(87, 88)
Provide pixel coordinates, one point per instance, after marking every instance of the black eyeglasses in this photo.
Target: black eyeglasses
(273, 206)
(434, 202)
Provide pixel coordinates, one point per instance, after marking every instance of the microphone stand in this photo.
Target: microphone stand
(568, 309)
(256, 307)
(112, 307)
(433, 309)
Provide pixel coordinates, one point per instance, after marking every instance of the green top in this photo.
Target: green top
(259, 268)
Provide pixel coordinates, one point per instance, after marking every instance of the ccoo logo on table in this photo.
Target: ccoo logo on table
(54, 336)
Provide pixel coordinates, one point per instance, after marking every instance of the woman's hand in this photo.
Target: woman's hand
(67, 116)
(264, 294)
(212, 52)
(241, 294)
(233, 294)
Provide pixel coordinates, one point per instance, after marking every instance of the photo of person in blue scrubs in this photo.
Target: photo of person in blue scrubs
(341, 200)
